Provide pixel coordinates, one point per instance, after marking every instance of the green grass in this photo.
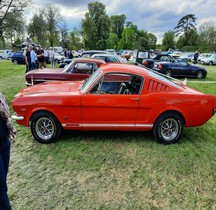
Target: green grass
(111, 170)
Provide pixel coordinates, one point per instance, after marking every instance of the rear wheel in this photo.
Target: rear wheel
(169, 72)
(200, 75)
(168, 128)
(45, 127)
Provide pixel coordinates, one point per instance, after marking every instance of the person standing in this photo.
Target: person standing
(52, 57)
(196, 55)
(28, 59)
(33, 58)
(41, 58)
(7, 132)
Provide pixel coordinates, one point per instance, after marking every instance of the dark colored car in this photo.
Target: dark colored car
(149, 63)
(78, 69)
(180, 68)
(18, 57)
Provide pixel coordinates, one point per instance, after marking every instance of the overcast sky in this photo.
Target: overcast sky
(155, 16)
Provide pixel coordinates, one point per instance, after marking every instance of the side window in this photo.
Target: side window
(83, 68)
(118, 83)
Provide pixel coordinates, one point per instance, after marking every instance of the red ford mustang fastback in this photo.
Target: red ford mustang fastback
(115, 97)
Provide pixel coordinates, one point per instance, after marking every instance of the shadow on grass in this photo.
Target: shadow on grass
(116, 136)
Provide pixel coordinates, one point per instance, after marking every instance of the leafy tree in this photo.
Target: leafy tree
(168, 40)
(53, 20)
(37, 28)
(113, 41)
(185, 25)
(128, 39)
(96, 27)
(117, 24)
(64, 35)
(207, 35)
(152, 40)
(11, 18)
(75, 39)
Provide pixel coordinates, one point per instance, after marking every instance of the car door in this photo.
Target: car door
(182, 68)
(109, 108)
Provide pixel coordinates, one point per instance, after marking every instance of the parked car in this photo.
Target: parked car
(187, 56)
(140, 55)
(3, 53)
(89, 53)
(58, 58)
(127, 54)
(18, 57)
(79, 69)
(149, 63)
(201, 56)
(109, 58)
(180, 68)
(116, 97)
(7, 56)
(211, 60)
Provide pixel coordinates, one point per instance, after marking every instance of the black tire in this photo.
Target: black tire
(168, 128)
(45, 127)
(210, 63)
(56, 61)
(200, 75)
(169, 72)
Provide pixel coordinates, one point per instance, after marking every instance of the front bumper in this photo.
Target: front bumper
(15, 117)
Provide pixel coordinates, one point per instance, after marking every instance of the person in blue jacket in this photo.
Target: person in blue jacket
(7, 132)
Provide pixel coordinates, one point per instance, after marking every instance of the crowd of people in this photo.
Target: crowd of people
(37, 57)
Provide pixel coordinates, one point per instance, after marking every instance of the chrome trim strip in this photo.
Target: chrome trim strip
(110, 125)
(14, 117)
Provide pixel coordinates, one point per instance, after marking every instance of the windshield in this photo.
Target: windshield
(87, 82)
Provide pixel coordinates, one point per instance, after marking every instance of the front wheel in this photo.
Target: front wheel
(45, 127)
(210, 63)
(168, 128)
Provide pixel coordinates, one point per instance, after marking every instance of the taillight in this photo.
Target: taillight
(159, 66)
(145, 62)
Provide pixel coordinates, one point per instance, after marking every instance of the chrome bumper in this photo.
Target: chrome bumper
(15, 117)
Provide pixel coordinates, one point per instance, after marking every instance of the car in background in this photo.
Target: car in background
(149, 63)
(58, 57)
(201, 56)
(117, 96)
(140, 55)
(3, 53)
(180, 68)
(127, 54)
(211, 60)
(78, 69)
(187, 56)
(109, 58)
(7, 56)
(18, 57)
(89, 53)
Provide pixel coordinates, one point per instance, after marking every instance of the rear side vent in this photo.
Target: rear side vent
(157, 86)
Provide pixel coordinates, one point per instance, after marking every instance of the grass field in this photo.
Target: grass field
(111, 170)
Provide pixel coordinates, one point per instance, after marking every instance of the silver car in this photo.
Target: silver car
(209, 60)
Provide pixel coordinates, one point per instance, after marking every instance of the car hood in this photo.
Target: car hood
(45, 71)
(47, 88)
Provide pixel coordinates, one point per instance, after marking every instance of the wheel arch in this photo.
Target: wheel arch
(169, 112)
(45, 111)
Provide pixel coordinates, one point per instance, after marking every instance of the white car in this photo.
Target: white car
(58, 58)
(110, 58)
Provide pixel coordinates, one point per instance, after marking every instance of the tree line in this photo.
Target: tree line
(98, 30)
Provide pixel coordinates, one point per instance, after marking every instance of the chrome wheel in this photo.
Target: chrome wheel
(44, 128)
(169, 129)
(200, 75)
(169, 73)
